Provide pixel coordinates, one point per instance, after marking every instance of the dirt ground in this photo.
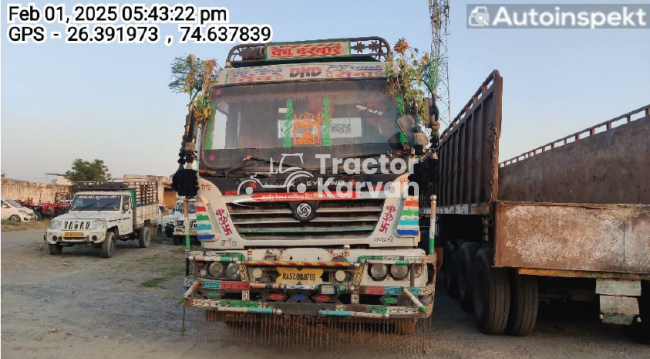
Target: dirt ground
(79, 305)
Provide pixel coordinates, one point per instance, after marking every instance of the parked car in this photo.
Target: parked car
(14, 211)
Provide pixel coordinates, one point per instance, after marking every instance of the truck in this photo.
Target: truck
(176, 222)
(101, 213)
(276, 236)
(567, 221)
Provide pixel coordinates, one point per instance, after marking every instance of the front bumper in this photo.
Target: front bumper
(57, 236)
(358, 297)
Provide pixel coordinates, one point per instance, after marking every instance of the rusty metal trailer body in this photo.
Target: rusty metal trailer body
(576, 208)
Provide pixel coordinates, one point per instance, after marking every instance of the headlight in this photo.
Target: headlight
(97, 225)
(232, 272)
(378, 271)
(56, 224)
(399, 271)
(215, 269)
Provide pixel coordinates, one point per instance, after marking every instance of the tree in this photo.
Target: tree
(88, 171)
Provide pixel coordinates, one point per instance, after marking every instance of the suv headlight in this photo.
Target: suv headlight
(55, 224)
(97, 224)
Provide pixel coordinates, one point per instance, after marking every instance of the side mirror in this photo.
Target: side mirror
(407, 125)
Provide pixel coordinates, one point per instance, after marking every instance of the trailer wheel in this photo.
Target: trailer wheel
(144, 237)
(524, 301)
(38, 215)
(466, 258)
(490, 293)
(55, 249)
(641, 331)
(108, 246)
(451, 270)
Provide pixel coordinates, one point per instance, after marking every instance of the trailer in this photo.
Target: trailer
(567, 221)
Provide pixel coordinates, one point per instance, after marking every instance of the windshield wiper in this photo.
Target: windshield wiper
(82, 208)
(248, 158)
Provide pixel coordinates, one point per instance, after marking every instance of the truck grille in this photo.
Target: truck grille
(76, 225)
(334, 220)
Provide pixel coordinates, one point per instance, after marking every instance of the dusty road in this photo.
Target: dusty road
(79, 305)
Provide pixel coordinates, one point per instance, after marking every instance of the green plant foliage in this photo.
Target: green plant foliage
(195, 77)
(88, 171)
(409, 74)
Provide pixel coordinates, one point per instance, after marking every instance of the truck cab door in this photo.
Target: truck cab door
(126, 216)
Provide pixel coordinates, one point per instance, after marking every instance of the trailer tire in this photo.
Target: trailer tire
(55, 249)
(641, 331)
(144, 237)
(38, 215)
(524, 301)
(108, 246)
(451, 269)
(491, 293)
(466, 258)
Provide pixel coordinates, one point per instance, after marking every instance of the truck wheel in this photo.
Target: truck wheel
(108, 246)
(169, 233)
(524, 301)
(466, 258)
(177, 240)
(144, 237)
(15, 218)
(55, 249)
(490, 293)
(641, 331)
(159, 231)
(405, 326)
(451, 269)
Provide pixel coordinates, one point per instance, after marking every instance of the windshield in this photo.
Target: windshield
(302, 114)
(96, 203)
(13, 203)
(179, 208)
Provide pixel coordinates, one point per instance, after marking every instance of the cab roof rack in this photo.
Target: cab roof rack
(370, 48)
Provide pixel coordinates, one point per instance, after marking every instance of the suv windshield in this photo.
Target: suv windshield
(96, 203)
(302, 114)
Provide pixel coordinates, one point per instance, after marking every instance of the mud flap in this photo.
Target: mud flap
(618, 300)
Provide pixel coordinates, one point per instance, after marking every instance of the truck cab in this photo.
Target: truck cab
(284, 229)
(100, 217)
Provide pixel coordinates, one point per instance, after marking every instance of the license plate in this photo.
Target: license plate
(304, 276)
(73, 234)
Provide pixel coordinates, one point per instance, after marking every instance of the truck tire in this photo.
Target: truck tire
(466, 258)
(177, 240)
(641, 331)
(144, 237)
(524, 301)
(169, 233)
(55, 249)
(490, 293)
(108, 246)
(451, 270)
(159, 231)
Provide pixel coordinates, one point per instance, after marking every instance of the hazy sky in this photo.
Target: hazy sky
(61, 102)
